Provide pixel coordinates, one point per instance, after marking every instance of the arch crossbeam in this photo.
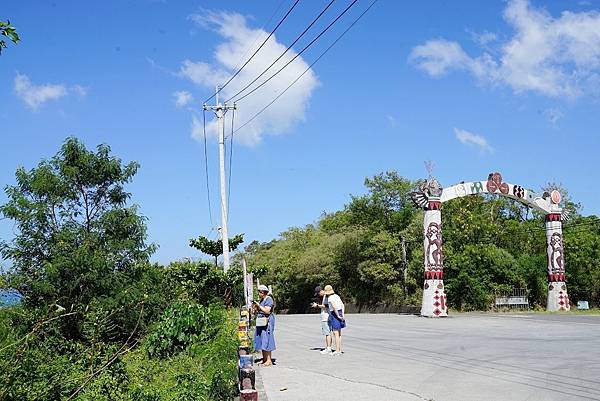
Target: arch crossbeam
(516, 192)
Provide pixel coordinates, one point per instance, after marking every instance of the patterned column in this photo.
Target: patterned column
(558, 299)
(434, 297)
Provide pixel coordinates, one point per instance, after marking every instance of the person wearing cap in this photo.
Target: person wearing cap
(264, 338)
(337, 320)
(325, 329)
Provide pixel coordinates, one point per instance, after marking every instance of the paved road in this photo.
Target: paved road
(463, 357)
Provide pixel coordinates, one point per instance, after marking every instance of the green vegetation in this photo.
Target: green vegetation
(97, 320)
(215, 248)
(372, 251)
(9, 31)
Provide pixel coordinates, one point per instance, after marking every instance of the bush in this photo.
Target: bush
(200, 368)
(184, 324)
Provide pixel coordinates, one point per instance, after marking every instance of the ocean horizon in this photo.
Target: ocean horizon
(8, 298)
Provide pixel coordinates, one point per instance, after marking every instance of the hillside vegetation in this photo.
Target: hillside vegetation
(371, 251)
(97, 320)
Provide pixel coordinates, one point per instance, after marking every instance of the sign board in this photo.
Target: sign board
(248, 285)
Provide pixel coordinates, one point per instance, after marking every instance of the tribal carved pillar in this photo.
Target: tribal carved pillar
(558, 299)
(434, 297)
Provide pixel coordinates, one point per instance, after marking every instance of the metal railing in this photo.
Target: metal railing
(517, 298)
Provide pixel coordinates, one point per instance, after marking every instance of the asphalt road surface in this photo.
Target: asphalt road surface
(463, 357)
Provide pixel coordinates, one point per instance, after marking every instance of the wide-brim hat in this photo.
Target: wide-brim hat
(263, 288)
(328, 290)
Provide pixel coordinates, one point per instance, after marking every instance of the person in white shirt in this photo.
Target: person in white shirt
(337, 321)
(325, 329)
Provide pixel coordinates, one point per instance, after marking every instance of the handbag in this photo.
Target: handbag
(262, 321)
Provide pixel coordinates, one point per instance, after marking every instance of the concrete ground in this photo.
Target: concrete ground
(463, 357)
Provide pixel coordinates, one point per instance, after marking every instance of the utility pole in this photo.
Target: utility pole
(220, 110)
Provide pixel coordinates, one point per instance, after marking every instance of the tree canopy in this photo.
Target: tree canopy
(77, 240)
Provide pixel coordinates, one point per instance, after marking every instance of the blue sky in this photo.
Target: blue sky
(473, 86)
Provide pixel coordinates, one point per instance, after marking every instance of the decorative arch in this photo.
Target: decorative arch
(431, 196)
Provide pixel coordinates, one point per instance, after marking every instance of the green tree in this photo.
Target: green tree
(387, 204)
(215, 248)
(6, 29)
(78, 243)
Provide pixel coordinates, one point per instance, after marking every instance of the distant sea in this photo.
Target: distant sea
(8, 298)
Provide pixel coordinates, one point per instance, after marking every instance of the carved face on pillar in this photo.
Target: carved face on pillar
(556, 253)
(434, 246)
(434, 188)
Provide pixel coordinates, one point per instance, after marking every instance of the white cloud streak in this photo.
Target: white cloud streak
(553, 114)
(552, 56)
(79, 90)
(238, 38)
(469, 138)
(183, 98)
(36, 95)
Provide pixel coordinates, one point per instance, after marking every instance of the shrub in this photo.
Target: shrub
(183, 324)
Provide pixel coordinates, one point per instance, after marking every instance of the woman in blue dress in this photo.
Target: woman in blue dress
(264, 339)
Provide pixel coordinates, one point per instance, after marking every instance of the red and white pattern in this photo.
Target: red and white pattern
(434, 297)
(558, 299)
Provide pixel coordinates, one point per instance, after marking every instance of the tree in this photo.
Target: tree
(386, 206)
(78, 243)
(215, 248)
(6, 29)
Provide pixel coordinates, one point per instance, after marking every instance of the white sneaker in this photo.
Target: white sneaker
(326, 351)
(337, 353)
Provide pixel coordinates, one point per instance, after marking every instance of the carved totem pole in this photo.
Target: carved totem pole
(434, 297)
(558, 298)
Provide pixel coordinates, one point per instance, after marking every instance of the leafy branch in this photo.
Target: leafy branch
(215, 248)
(6, 29)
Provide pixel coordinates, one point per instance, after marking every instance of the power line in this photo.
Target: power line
(285, 51)
(230, 158)
(309, 67)
(258, 36)
(256, 51)
(297, 55)
(206, 168)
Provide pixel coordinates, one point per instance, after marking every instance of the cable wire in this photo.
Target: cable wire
(230, 158)
(296, 56)
(262, 28)
(309, 67)
(206, 168)
(285, 51)
(256, 51)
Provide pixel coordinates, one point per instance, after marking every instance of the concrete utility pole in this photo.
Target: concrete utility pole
(220, 110)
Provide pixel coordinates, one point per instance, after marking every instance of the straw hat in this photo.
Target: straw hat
(328, 290)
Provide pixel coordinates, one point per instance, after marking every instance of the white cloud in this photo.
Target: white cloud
(35, 95)
(183, 98)
(80, 90)
(197, 130)
(392, 120)
(548, 55)
(553, 114)
(238, 38)
(468, 138)
(486, 37)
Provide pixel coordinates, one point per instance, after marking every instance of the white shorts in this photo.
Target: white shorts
(325, 329)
